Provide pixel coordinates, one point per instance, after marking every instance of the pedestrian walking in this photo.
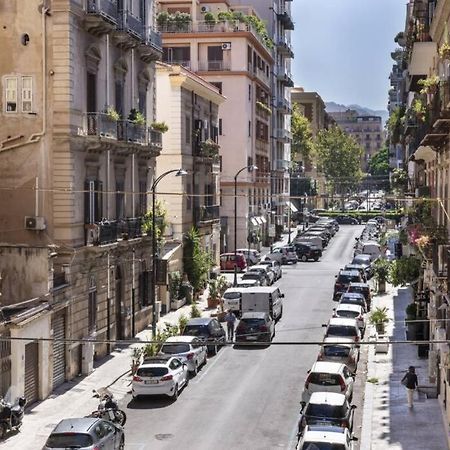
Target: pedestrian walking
(230, 319)
(410, 383)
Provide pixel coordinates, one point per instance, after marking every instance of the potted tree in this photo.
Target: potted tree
(381, 274)
(214, 295)
(379, 318)
(210, 20)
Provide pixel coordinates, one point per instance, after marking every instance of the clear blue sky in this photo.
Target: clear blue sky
(342, 48)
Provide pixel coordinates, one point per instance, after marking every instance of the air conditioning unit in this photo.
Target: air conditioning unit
(34, 223)
(226, 46)
(204, 9)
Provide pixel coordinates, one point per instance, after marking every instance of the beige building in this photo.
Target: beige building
(232, 56)
(76, 162)
(191, 106)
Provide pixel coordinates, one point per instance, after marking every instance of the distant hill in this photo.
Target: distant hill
(336, 107)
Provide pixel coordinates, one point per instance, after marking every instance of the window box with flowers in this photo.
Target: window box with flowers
(162, 127)
(209, 149)
(429, 84)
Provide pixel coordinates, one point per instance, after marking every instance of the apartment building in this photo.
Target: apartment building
(191, 106)
(77, 155)
(223, 47)
(367, 131)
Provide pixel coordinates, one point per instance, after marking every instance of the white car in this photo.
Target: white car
(251, 255)
(160, 376)
(188, 349)
(340, 327)
(341, 350)
(351, 311)
(270, 276)
(275, 267)
(328, 377)
(317, 437)
(246, 284)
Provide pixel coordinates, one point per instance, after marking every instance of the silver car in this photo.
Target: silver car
(86, 433)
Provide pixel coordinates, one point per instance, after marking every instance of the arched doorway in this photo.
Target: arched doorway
(118, 308)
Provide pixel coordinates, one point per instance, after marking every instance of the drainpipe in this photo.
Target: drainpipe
(108, 181)
(132, 79)
(107, 70)
(133, 290)
(133, 200)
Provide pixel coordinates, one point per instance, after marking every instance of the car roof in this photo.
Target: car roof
(352, 295)
(342, 321)
(76, 424)
(184, 339)
(329, 398)
(234, 289)
(327, 367)
(363, 285)
(258, 266)
(349, 307)
(251, 281)
(362, 255)
(253, 315)
(251, 250)
(263, 289)
(161, 360)
(353, 266)
(199, 321)
(371, 243)
(337, 340)
(349, 272)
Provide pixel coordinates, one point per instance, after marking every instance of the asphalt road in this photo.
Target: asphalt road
(249, 398)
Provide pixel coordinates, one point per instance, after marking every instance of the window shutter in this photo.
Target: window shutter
(98, 203)
(87, 203)
(11, 94)
(27, 94)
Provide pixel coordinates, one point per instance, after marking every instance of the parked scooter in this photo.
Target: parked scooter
(108, 408)
(11, 416)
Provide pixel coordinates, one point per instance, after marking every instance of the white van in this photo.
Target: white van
(263, 299)
(231, 299)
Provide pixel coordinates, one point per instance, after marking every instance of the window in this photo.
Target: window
(144, 291)
(93, 201)
(92, 310)
(215, 57)
(249, 92)
(142, 197)
(180, 55)
(220, 127)
(91, 92)
(249, 128)
(142, 99)
(11, 94)
(119, 88)
(188, 197)
(188, 130)
(27, 94)
(120, 199)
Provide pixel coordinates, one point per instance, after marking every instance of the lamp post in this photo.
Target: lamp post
(250, 168)
(178, 173)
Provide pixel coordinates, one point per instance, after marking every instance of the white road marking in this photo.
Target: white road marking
(209, 366)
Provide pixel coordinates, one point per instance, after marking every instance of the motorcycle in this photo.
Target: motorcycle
(11, 416)
(108, 409)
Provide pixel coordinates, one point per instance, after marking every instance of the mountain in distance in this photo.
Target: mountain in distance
(362, 111)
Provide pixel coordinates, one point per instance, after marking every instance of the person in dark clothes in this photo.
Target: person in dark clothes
(410, 383)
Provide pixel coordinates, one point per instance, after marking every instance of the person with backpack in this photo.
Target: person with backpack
(410, 383)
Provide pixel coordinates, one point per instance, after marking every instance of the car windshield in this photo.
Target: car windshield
(322, 446)
(251, 276)
(358, 290)
(341, 330)
(346, 313)
(69, 440)
(152, 371)
(196, 330)
(347, 279)
(173, 349)
(324, 379)
(336, 350)
(352, 301)
(232, 295)
(252, 322)
(324, 410)
(361, 261)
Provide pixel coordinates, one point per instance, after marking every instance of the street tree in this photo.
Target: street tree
(379, 163)
(302, 138)
(339, 158)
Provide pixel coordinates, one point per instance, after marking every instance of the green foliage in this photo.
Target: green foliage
(339, 157)
(302, 138)
(209, 148)
(444, 50)
(175, 280)
(429, 84)
(264, 107)
(395, 124)
(195, 311)
(379, 316)
(210, 18)
(411, 310)
(405, 270)
(162, 18)
(137, 117)
(197, 262)
(381, 270)
(112, 114)
(160, 221)
(161, 337)
(399, 180)
(182, 322)
(419, 109)
(379, 163)
(160, 126)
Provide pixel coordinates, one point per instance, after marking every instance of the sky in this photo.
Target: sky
(342, 48)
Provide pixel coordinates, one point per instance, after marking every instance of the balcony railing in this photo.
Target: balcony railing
(156, 138)
(131, 24)
(131, 132)
(285, 18)
(282, 164)
(107, 9)
(100, 124)
(284, 105)
(283, 135)
(285, 47)
(109, 231)
(214, 66)
(207, 213)
(185, 64)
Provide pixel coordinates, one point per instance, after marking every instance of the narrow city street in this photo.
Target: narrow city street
(249, 398)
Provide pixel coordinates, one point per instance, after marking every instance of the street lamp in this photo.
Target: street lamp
(178, 173)
(250, 168)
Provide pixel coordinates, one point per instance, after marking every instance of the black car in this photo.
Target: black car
(347, 220)
(305, 252)
(255, 327)
(343, 279)
(361, 288)
(359, 267)
(365, 261)
(207, 329)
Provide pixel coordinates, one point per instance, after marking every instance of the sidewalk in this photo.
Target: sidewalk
(387, 420)
(74, 398)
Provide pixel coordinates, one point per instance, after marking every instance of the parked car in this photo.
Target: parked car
(263, 299)
(231, 298)
(275, 267)
(306, 252)
(351, 311)
(284, 255)
(360, 268)
(354, 298)
(361, 288)
(328, 377)
(326, 408)
(343, 279)
(326, 437)
(188, 349)
(228, 261)
(347, 220)
(270, 275)
(86, 433)
(257, 275)
(160, 375)
(341, 350)
(369, 248)
(252, 255)
(255, 326)
(207, 329)
(365, 261)
(342, 327)
(247, 284)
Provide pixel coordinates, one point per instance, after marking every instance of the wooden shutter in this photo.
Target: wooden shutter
(27, 94)
(11, 94)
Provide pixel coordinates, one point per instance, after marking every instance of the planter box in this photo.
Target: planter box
(213, 302)
(177, 304)
(382, 344)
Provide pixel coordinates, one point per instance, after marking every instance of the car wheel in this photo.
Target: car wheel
(122, 443)
(135, 396)
(121, 417)
(3, 430)
(175, 393)
(195, 371)
(304, 258)
(316, 258)
(186, 380)
(283, 261)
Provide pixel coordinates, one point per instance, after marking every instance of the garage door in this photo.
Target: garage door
(31, 372)
(59, 350)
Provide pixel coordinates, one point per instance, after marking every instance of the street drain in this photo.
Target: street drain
(163, 437)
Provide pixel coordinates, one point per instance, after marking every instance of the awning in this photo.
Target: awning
(259, 220)
(425, 152)
(292, 206)
(254, 221)
(264, 220)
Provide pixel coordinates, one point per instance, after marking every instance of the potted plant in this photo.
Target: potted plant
(419, 109)
(112, 114)
(182, 21)
(444, 51)
(379, 318)
(136, 356)
(209, 148)
(214, 296)
(210, 20)
(160, 126)
(136, 117)
(430, 84)
(381, 274)
(162, 19)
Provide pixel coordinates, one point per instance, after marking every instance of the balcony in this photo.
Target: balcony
(283, 135)
(285, 18)
(109, 231)
(284, 106)
(284, 77)
(151, 49)
(155, 138)
(262, 111)
(282, 164)
(131, 30)
(207, 149)
(285, 48)
(214, 66)
(102, 16)
(205, 214)
(101, 125)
